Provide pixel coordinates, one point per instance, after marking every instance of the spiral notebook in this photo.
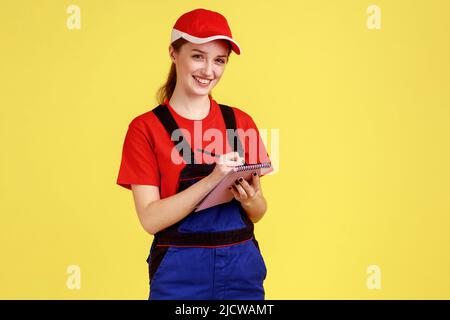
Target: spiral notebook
(220, 193)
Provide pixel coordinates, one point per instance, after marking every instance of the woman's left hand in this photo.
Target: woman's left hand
(247, 194)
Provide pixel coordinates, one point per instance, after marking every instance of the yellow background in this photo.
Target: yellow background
(363, 115)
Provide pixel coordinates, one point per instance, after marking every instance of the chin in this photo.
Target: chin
(201, 91)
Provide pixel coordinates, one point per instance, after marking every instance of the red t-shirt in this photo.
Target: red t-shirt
(147, 149)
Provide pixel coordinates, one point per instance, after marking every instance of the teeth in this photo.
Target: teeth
(204, 81)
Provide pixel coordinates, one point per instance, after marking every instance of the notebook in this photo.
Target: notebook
(220, 193)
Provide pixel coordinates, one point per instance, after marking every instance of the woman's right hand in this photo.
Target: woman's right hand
(225, 163)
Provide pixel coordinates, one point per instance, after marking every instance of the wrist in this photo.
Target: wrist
(256, 200)
(211, 180)
(256, 208)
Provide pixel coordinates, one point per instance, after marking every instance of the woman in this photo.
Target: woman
(212, 253)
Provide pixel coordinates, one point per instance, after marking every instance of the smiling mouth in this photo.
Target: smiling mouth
(202, 81)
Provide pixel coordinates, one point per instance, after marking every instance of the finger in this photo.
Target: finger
(232, 163)
(241, 191)
(256, 183)
(240, 160)
(229, 158)
(222, 159)
(234, 192)
(232, 156)
(238, 195)
(247, 187)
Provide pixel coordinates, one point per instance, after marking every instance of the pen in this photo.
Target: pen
(210, 153)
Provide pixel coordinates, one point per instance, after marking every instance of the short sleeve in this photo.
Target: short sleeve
(139, 164)
(255, 152)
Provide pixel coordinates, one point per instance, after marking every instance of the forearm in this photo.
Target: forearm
(163, 213)
(256, 208)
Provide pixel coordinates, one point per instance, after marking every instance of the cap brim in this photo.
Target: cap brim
(176, 34)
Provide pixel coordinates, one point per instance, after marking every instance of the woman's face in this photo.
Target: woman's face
(200, 66)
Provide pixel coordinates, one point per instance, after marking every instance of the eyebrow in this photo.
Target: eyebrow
(207, 53)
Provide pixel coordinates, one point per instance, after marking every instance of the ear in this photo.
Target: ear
(172, 54)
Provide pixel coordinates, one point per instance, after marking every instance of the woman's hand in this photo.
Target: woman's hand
(225, 163)
(250, 196)
(247, 193)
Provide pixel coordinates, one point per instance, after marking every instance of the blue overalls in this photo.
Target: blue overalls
(211, 254)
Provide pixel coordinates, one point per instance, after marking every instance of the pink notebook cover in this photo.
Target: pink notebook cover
(220, 193)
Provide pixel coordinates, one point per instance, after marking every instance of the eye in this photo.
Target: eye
(221, 60)
(196, 55)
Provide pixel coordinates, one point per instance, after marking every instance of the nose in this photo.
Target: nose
(207, 70)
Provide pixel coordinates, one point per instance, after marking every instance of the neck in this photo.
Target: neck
(189, 106)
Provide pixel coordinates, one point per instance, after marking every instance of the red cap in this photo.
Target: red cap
(201, 25)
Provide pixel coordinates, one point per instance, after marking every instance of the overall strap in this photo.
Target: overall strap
(169, 123)
(230, 124)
